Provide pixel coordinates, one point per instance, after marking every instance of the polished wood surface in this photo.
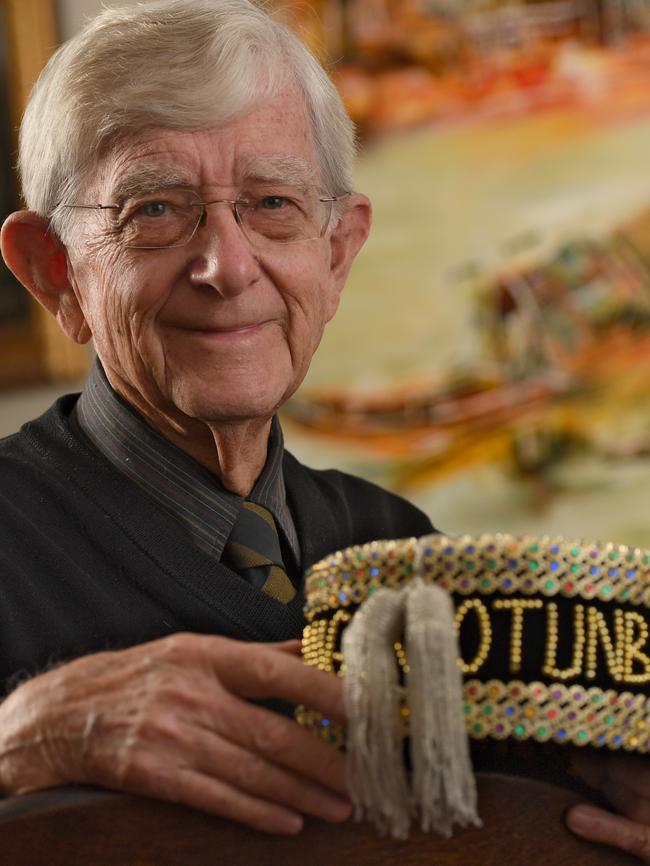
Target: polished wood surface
(522, 827)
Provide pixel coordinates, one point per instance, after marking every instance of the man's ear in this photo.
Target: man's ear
(347, 238)
(38, 259)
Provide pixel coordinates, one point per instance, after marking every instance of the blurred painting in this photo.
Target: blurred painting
(491, 359)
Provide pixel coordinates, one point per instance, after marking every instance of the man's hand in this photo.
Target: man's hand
(170, 719)
(625, 782)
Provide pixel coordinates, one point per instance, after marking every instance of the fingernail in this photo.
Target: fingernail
(337, 810)
(291, 824)
(582, 819)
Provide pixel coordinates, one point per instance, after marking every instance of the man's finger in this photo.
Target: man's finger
(291, 647)
(597, 825)
(265, 778)
(626, 801)
(623, 779)
(283, 742)
(256, 672)
(191, 788)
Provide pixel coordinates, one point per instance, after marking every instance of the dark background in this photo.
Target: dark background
(13, 298)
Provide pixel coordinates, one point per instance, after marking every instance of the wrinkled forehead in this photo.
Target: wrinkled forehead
(142, 176)
(272, 143)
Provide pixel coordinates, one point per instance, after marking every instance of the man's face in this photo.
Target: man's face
(215, 330)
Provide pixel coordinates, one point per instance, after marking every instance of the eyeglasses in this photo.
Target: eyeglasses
(281, 214)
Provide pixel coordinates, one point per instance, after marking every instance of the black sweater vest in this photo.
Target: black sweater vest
(89, 562)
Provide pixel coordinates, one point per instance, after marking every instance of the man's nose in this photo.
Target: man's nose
(224, 259)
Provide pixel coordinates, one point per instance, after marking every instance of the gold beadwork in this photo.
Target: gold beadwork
(636, 636)
(500, 563)
(485, 630)
(536, 711)
(401, 657)
(598, 636)
(517, 606)
(526, 576)
(550, 668)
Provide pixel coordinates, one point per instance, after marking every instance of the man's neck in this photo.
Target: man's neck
(233, 451)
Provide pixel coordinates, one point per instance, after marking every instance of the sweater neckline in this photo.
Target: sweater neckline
(177, 567)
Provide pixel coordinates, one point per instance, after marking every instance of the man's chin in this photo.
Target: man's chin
(216, 408)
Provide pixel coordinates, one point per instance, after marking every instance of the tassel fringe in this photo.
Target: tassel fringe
(442, 785)
(442, 789)
(376, 772)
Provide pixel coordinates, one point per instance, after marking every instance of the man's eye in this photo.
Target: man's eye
(273, 202)
(154, 209)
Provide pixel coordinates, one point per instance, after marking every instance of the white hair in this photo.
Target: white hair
(180, 64)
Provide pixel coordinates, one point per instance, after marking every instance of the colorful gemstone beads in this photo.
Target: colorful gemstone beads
(500, 582)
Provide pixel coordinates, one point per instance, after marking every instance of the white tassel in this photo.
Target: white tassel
(442, 791)
(375, 761)
(443, 785)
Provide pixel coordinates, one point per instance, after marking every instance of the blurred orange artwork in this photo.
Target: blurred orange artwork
(497, 326)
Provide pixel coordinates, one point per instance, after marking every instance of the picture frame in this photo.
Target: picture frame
(32, 348)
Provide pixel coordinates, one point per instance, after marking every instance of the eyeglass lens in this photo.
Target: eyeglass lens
(171, 217)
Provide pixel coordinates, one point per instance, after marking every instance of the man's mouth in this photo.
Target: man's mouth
(238, 329)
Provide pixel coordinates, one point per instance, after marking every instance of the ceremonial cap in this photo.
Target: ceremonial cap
(549, 635)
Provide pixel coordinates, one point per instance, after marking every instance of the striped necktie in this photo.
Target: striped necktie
(253, 551)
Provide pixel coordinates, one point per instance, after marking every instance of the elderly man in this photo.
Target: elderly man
(187, 169)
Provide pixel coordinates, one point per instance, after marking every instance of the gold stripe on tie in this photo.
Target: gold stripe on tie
(262, 512)
(278, 585)
(261, 567)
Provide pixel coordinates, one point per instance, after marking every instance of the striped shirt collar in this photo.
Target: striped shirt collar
(181, 485)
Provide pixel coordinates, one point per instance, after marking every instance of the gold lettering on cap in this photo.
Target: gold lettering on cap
(485, 632)
(598, 636)
(636, 637)
(517, 606)
(332, 638)
(550, 668)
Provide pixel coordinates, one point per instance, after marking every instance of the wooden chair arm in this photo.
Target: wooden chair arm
(523, 826)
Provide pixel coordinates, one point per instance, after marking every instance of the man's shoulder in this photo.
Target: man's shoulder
(34, 437)
(42, 456)
(339, 483)
(340, 509)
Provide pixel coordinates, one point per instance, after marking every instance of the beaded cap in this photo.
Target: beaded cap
(554, 634)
